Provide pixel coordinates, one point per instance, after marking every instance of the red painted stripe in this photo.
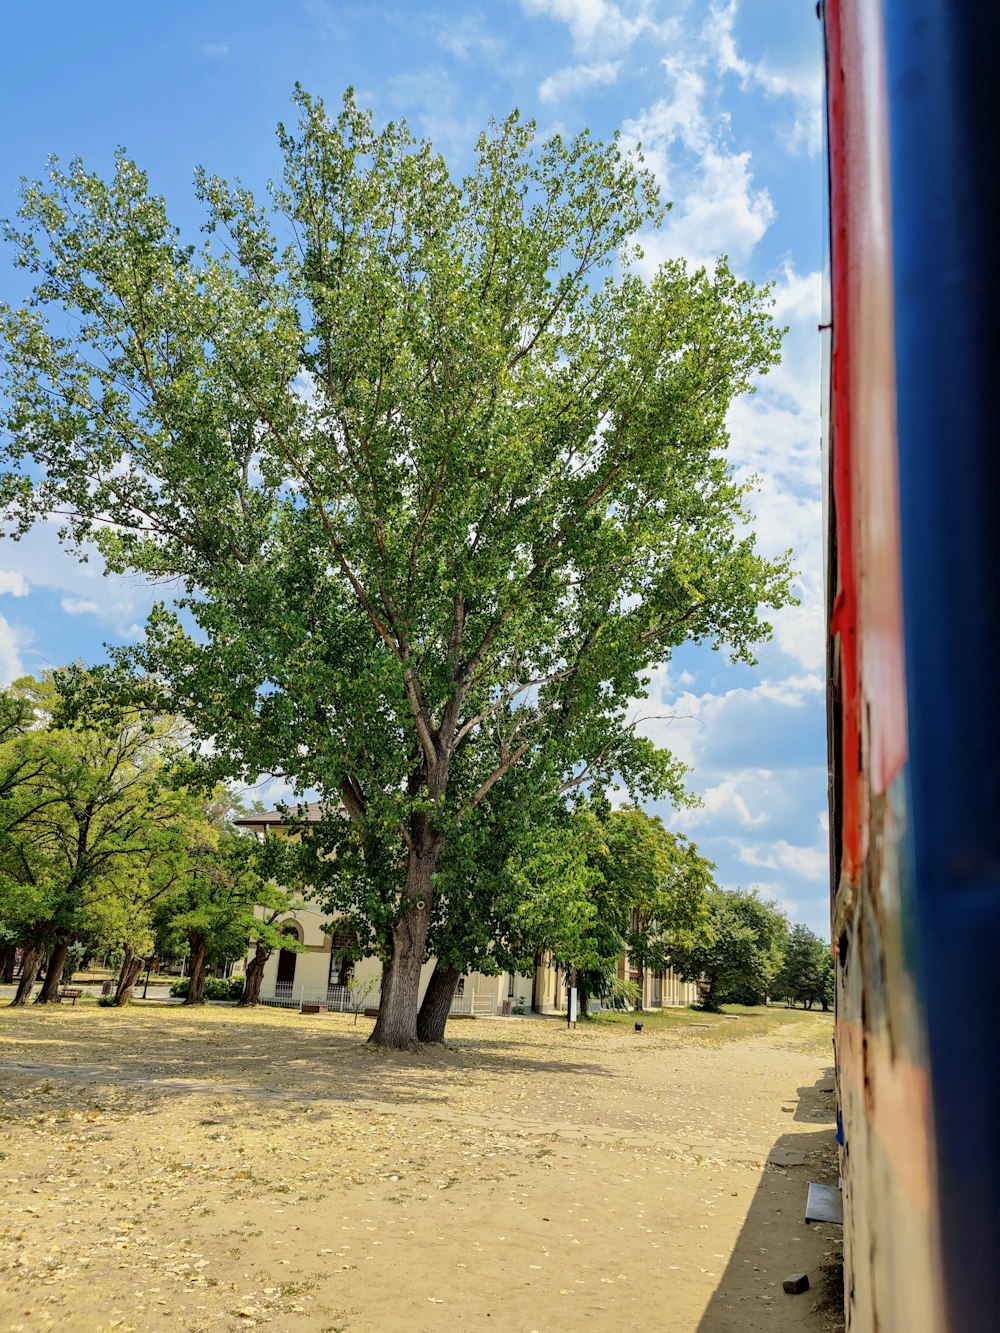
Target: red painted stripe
(845, 607)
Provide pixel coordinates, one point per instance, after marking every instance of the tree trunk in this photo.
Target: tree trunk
(8, 957)
(33, 955)
(436, 1007)
(396, 1025)
(131, 970)
(53, 974)
(709, 995)
(582, 997)
(536, 977)
(642, 987)
(199, 960)
(254, 977)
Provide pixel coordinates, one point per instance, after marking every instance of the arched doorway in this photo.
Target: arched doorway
(285, 980)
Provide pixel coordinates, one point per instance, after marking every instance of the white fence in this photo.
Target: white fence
(343, 999)
(471, 1004)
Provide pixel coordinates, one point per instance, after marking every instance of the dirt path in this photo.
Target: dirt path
(164, 1170)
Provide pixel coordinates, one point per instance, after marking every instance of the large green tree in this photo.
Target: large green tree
(443, 465)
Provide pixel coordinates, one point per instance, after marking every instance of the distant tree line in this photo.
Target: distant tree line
(115, 840)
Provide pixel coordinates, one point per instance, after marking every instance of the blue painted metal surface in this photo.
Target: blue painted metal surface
(943, 86)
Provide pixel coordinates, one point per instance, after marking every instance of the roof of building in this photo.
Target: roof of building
(312, 813)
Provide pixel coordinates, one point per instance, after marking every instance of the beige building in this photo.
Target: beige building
(321, 972)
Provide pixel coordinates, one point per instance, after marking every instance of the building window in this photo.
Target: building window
(341, 968)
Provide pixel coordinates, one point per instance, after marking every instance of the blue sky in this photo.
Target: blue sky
(725, 99)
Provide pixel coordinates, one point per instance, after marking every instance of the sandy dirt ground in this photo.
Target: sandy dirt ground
(165, 1168)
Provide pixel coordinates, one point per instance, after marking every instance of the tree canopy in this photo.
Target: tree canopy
(106, 836)
(806, 975)
(92, 822)
(740, 955)
(440, 477)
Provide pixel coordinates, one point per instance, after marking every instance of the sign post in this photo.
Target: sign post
(572, 1007)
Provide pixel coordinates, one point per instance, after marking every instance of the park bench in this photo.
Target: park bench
(70, 993)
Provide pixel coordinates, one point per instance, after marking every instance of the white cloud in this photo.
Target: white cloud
(811, 863)
(12, 640)
(80, 606)
(13, 583)
(578, 79)
(214, 50)
(762, 720)
(725, 801)
(119, 601)
(467, 37)
(795, 691)
(432, 98)
(807, 862)
(802, 85)
(718, 212)
(717, 209)
(601, 25)
(800, 633)
(775, 437)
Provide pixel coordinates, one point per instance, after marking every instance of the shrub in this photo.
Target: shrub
(233, 988)
(216, 988)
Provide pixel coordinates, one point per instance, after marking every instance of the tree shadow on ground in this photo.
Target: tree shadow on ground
(313, 1063)
(776, 1241)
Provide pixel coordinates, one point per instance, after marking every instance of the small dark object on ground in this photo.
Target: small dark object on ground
(308, 1008)
(638, 1027)
(798, 1282)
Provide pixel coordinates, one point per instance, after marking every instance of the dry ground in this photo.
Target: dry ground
(164, 1168)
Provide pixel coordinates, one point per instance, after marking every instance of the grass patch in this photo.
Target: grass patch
(736, 1022)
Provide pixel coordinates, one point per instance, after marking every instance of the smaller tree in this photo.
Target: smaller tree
(740, 955)
(357, 996)
(658, 882)
(829, 996)
(270, 877)
(513, 886)
(806, 967)
(226, 897)
(88, 808)
(648, 901)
